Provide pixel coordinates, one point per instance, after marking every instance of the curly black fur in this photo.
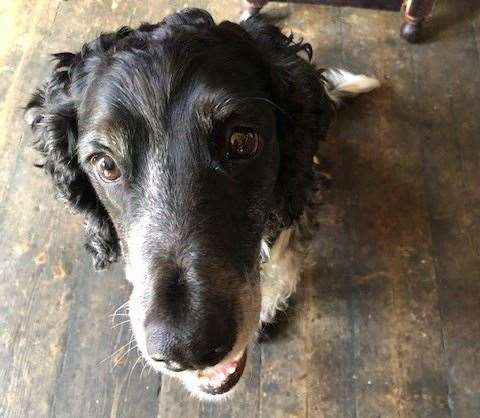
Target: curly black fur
(308, 110)
(51, 113)
(304, 113)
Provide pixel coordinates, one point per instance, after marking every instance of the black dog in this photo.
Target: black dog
(189, 148)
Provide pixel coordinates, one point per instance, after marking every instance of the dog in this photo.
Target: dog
(189, 146)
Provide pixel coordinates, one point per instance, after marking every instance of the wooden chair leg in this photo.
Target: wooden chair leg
(252, 7)
(416, 11)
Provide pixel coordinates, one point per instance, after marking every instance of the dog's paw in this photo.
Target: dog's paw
(277, 328)
(103, 256)
(102, 263)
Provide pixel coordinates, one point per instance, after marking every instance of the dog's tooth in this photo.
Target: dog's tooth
(231, 369)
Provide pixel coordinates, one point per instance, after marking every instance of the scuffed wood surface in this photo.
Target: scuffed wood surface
(386, 321)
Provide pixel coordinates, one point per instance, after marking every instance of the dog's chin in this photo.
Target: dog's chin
(216, 382)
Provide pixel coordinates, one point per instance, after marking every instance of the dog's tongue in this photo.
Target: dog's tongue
(217, 376)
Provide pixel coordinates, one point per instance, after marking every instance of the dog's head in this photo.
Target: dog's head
(185, 144)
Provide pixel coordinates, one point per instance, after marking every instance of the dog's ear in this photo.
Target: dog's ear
(298, 90)
(52, 116)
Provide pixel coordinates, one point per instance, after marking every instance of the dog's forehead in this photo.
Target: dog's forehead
(147, 94)
(165, 74)
(165, 69)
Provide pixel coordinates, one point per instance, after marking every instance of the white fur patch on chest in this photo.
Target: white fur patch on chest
(279, 274)
(285, 260)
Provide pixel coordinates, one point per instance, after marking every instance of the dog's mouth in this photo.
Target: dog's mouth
(221, 378)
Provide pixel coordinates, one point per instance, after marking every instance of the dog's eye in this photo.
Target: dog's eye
(106, 168)
(243, 144)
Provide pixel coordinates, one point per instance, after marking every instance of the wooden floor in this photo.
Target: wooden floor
(387, 324)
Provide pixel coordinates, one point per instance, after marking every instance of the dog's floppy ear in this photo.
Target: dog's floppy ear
(298, 90)
(52, 116)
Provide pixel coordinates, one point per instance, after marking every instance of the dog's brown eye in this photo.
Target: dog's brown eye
(106, 168)
(242, 144)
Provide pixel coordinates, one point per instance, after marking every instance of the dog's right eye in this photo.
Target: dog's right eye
(106, 167)
(244, 143)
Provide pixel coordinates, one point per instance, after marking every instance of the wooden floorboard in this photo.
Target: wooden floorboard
(386, 322)
(451, 151)
(329, 334)
(396, 317)
(100, 360)
(21, 59)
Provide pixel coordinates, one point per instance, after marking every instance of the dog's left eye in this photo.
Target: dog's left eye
(106, 168)
(243, 143)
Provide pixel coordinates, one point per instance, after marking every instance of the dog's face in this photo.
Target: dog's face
(171, 139)
(180, 145)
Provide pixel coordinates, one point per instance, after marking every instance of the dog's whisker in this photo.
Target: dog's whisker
(121, 323)
(145, 364)
(131, 371)
(130, 349)
(119, 314)
(123, 305)
(116, 311)
(117, 351)
(122, 356)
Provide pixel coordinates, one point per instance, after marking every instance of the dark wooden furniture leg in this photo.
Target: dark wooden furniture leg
(416, 11)
(252, 7)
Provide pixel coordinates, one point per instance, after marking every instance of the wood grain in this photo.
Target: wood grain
(395, 300)
(451, 153)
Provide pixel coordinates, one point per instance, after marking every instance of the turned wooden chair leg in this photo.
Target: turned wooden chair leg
(416, 11)
(252, 7)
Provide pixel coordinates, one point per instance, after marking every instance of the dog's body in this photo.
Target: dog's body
(189, 148)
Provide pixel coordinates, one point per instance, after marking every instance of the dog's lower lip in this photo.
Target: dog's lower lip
(216, 382)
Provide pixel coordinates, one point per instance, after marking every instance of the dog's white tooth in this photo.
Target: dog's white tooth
(231, 369)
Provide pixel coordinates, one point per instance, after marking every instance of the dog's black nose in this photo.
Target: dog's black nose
(188, 325)
(178, 354)
(189, 348)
